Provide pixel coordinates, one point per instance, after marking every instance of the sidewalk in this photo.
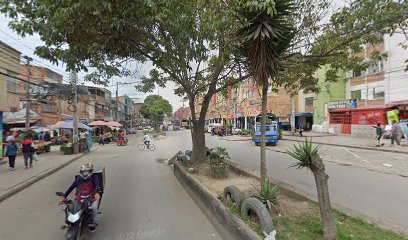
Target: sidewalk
(349, 141)
(13, 181)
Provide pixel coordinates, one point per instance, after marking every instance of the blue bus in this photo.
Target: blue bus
(272, 134)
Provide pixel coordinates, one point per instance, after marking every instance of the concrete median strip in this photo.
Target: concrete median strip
(229, 226)
(25, 184)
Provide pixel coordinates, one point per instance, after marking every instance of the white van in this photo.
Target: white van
(213, 125)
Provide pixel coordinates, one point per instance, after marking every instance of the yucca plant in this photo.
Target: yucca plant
(266, 34)
(308, 157)
(267, 193)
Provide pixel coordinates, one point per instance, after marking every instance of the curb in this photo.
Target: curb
(37, 178)
(229, 226)
(351, 146)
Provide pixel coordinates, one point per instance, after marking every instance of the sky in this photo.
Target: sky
(27, 46)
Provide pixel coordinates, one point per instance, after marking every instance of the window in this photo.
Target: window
(49, 107)
(356, 94)
(50, 74)
(358, 73)
(376, 68)
(58, 77)
(309, 102)
(378, 93)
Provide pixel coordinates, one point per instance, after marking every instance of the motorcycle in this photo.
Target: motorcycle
(122, 142)
(78, 214)
(78, 217)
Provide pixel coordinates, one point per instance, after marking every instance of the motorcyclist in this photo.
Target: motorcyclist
(88, 186)
(146, 140)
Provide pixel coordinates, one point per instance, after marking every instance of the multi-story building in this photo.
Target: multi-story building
(137, 117)
(9, 71)
(50, 111)
(127, 104)
(377, 93)
(241, 105)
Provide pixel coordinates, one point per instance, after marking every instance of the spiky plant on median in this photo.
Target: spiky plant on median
(308, 157)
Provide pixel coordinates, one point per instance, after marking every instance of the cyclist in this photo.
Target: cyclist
(146, 140)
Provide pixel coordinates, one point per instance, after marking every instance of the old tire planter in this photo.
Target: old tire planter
(253, 205)
(234, 194)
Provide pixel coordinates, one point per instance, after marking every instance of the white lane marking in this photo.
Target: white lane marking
(355, 155)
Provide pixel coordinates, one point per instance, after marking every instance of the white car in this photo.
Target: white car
(236, 131)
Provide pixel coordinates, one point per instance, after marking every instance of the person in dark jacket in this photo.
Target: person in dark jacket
(11, 153)
(28, 152)
(379, 131)
(47, 137)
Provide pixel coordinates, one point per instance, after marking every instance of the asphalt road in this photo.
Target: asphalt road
(142, 200)
(381, 198)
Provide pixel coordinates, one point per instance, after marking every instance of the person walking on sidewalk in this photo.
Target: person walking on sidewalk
(395, 132)
(379, 131)
(11, 153)
(301, 128)
(28, 152)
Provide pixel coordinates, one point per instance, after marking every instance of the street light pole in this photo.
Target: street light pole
(28, 103)
(117, 102)
(75, 131)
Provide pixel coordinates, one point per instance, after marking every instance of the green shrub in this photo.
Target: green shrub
(267, 193)
(217, 156)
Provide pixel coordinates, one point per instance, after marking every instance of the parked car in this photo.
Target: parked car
(206, 128)
(140, 128)
(236, 131)
(132, 131)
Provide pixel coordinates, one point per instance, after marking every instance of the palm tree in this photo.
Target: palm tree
(308, 157)
(267, 32)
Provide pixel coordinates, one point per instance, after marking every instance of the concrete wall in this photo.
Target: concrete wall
(10, 65)
(335, 128)
(362, 131)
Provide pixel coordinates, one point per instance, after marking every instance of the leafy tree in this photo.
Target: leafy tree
(156, 108)
(308, 157)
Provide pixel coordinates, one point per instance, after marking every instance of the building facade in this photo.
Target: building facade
(9, 71)
(375, 94)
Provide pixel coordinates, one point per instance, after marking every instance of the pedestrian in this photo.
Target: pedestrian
(379, 131)
(395, 132)
(301, 128)
(28, 152)
(11, 153)
(47, 137)
(9, 137)
(101, 139)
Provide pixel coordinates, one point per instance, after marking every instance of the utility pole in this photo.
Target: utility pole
(75, 132)
(28, 103)
(292, 117)
(117, 102)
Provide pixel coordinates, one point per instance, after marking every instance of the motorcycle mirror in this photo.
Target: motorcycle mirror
(59, 194)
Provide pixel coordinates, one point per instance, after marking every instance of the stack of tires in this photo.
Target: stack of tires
(249, 207)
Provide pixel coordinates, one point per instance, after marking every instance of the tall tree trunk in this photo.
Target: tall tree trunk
(197, 133)
(264, 171)
(199, 153)
(326, 211)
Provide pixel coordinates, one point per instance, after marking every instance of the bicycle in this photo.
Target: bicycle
(143, 146)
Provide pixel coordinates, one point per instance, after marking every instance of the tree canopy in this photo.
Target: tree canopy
(156, 108)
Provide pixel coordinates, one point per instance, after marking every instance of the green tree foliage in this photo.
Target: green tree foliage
(156, 108)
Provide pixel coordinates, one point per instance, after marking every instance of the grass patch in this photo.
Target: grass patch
(308, 227)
